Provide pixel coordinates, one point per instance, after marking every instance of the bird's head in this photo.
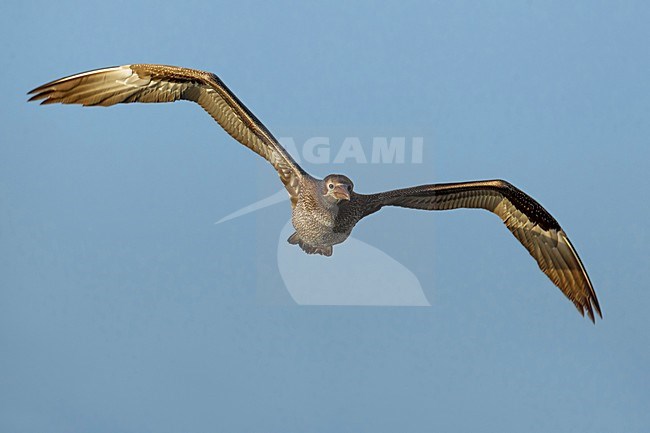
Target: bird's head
(337, 187)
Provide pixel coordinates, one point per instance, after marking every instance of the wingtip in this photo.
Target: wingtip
(36, 91)
(590, 311)
(34, 97)
(592, 305)
(591, 316)
(597, 308)
(589, 307)
(594, 301)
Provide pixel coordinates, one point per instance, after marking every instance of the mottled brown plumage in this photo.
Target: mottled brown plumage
(324, 211)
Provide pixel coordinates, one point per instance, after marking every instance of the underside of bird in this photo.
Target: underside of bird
(294, 239)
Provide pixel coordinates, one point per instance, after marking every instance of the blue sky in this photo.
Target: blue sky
(124, 308)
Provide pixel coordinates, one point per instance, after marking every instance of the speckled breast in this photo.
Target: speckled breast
(316, 227)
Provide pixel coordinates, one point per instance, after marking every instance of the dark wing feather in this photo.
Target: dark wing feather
(531, 224)
(160, 83)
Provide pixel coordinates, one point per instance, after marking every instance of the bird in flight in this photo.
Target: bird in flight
(324, 211)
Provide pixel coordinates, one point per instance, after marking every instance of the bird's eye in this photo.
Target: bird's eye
(349, 187)
(331, 186)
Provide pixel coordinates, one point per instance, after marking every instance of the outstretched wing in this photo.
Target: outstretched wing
(160, 83)
(535, 228)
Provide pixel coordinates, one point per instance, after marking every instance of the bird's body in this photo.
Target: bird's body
(324, 211)
(315, 222)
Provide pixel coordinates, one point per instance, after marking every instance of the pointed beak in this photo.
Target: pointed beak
(341, 192)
